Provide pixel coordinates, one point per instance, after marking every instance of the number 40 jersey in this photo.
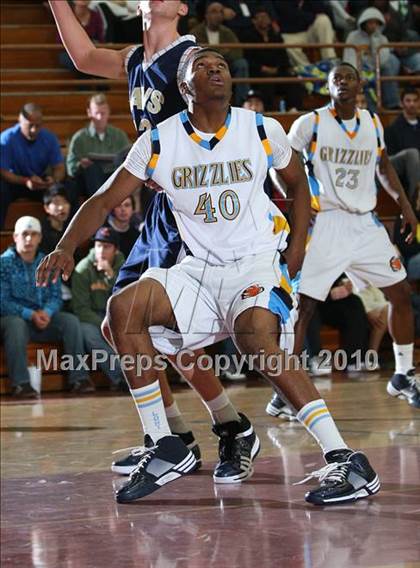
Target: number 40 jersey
(341, 157)
(214, 182)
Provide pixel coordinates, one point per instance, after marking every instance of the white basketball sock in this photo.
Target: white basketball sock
(403, 358)
(316, 418)
(149, 404)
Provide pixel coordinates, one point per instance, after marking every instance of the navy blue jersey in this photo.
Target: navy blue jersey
(154, 97)
(152, 88)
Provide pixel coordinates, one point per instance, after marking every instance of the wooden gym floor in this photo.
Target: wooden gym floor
(58, 509)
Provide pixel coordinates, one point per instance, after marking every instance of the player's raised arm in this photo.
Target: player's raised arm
(85, 223)
(85, 55)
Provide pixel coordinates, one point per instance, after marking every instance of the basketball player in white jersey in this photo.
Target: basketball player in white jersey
(212, 162)
(343, 147)
(151, 71)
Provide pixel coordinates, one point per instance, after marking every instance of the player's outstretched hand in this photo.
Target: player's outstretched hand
(50, 268)
(409, 222)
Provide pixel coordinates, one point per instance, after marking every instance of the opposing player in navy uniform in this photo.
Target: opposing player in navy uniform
(152, 70)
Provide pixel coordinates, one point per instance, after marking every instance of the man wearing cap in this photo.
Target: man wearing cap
(254, 101)
(29, 313)
(92, 284)
(30, 159)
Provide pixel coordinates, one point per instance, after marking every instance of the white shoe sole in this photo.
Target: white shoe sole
(369, 489)
(243, 476)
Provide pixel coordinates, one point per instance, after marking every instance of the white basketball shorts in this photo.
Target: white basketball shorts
(357, 244)
(207, 299)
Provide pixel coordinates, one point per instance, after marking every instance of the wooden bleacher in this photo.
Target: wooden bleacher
(30, 72)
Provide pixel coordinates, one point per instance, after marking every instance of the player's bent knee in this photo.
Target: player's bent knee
(255, 329)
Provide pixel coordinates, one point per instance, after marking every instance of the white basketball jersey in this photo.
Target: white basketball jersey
(215, 186)
(342, 158)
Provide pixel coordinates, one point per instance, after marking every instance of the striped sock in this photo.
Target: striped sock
(318, 421)
(148, 401)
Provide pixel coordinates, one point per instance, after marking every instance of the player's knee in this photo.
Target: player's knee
(322, 21)
(255, 329)
(116, 311)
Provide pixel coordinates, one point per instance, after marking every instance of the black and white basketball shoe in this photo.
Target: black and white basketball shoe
(168, 460)
(238, 447)
(348, 476)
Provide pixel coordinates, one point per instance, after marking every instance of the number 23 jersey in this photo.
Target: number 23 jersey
(343, 156)
(215, 182)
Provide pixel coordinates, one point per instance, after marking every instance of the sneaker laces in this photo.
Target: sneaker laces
(336, 471)
(134, 450)
(230, 448)
(148, 454)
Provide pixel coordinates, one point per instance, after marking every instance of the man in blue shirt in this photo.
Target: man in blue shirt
(29, 313)
(27, 152)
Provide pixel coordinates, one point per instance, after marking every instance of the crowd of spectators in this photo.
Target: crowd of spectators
(369, 23)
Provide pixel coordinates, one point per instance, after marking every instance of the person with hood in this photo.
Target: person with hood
(370, 24)
(93, 280)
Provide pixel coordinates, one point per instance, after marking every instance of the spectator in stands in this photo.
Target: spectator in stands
(397, 29)
(238, 15)
(120, 20)
(376, 308)
(254, 101)
(402, 139)
(29, 313)
(410, 253)
(28, 152)
(343, 310)
(57, 207)
(212, 31)
(123, 221)
(93, 150)
(93, 280)
(369, 33)
(343, 20)
(93, 25)
(271, 62)
(305, 22)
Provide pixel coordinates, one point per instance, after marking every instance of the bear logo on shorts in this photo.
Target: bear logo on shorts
(252, 291)
(395, 263)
